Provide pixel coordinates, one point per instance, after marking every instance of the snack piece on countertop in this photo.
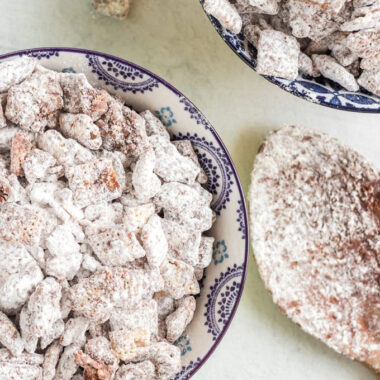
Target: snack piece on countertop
(114, 8)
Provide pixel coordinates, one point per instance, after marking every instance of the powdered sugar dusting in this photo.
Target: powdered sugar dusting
(316, 225)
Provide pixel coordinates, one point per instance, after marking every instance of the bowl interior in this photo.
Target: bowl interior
(317, 90)
(222, 285)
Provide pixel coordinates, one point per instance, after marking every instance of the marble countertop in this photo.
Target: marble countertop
(174, 39)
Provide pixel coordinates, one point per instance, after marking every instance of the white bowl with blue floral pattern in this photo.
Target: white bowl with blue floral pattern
(317, 90)
(222, 285)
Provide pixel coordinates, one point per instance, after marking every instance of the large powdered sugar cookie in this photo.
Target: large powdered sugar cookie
(315, 212)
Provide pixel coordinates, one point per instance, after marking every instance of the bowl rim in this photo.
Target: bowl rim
(273, 80)
(215, 343)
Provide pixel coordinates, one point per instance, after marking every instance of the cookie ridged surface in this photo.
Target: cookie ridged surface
(315, 213)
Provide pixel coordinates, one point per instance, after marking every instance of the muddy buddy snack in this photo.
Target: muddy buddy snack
(339, 39)
(315, 210)
(102, 221)
(114, 8)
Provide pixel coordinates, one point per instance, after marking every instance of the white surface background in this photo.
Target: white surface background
(174, 39)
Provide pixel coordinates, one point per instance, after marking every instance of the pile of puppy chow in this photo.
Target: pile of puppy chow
(336, 39)
(102, 221)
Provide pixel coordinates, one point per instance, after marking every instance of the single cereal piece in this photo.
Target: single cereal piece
(99, 349)
(89, 262)
(123, 129)
(52, 355)
(140, 371)
(371, 63)
(96, 296)
(141, 318)
(199, 272)
(136, 138)
(37, 164)
(113, 8)
(205, 251)
(343, 55)
(19, 274)
(315, 237)
(270, 7)
(9, 336)
(165, 306)
(277, 55)
(225, 13)
(177, 322)
(21, 367)
(115, 247)
(136, 217)
(306, 66)
(6, 137)
(195, 219)
(123, 344)
(154, 241)
(80, 127)
(65, 257)
(331, 69)
(183, 244)
(179, 278)
(42, 311)
(175, 196)
(80, 97)
(19, 371)
(75, 332)
(364, 43)
(171, 166)
(146, 184)
(94, 182)
(93, 370)
(24, 358)
(186, 149)
(21, 146)
(67, 152)
(370, 80)
(363, 18)
(22, 224)
(154, 126)
(55, 332)
(33, 104)
(312, 19)
(165, 357)
(67, 365)
(11, 189)
(15, 71)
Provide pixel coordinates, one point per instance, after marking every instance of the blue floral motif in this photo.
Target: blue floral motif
(219, 253)
(121, 76)
(187, 371)
(240, 219)
(166, 115)
(318, 90)
(68, 70)
(41, 54)
(183, 343)
(214, 162)
(222, 298)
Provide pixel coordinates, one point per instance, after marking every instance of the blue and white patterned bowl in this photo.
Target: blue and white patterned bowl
(222, 286)
(317, 90)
